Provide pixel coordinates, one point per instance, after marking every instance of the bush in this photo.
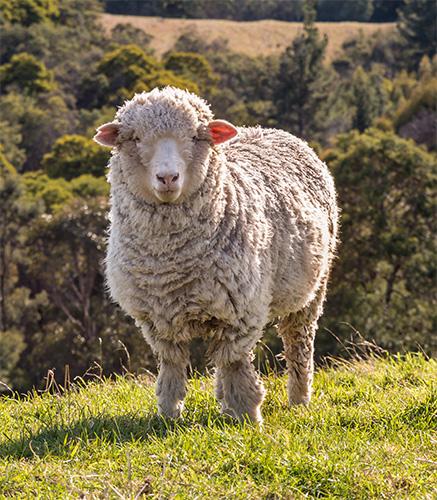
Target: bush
(74, 155)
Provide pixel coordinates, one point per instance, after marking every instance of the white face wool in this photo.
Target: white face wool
(167, 169)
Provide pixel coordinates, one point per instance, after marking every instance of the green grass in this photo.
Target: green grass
(369, 433)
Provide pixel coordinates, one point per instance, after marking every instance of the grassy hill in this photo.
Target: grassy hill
(252, 37)
(367, 434)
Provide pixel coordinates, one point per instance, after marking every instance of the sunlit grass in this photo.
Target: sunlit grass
(367, 434)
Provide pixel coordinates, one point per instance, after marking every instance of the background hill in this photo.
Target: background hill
(367, 434)
(253, 38)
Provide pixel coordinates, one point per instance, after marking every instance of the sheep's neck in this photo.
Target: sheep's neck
(165, 229)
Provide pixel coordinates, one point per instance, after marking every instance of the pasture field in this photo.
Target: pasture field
(368, 433)
(254, 38)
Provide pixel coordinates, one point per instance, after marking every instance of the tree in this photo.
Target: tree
(27, 12)
(382, 283)
(18, 309)
(40, 120)
(10, 138)
(124, 71)
(385, 12)
(126, 65)
(303, 83)
(26, 73)
(418, 28)
(190, 66)
(126, 34)
(417, 117)
(74, 155)
(367, 98)
(80, 325)
(340, 10)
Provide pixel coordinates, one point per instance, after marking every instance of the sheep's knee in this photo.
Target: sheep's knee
(171, 383)
(240, 390)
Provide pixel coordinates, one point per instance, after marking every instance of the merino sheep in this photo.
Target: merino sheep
(212, 237)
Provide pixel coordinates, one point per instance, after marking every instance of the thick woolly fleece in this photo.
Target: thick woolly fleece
(252, 239)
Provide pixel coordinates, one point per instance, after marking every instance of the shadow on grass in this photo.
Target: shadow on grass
(60, 439)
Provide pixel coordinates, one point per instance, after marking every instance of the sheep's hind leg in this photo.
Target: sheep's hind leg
(172, 379)
(219, 393)
(240, 390)
(298, 331)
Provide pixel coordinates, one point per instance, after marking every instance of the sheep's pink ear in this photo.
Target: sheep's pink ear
(107, 134)
(221, 131)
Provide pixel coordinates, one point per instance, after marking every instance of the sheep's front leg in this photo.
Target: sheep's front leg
(172, 379)
(239, 389)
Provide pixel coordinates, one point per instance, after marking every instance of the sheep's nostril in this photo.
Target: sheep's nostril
(167, 180)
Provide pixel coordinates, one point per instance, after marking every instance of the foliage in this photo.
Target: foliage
(10, 138)
(249, 10)
(424, 96)
(124, 71)
(417, 26)
(50, 194)
(384, 49)
(244, 91)
(193, 67)
(126, 34)
(26, 73)
(367, 98)
(74, 155)
(338, 10)
(17, 308)
(62, 76)
(78, 325)
(303, 83)
(385, 187)
(417, 117)
(40, 120)
(88, 186)
(368, 433)
(27, 12)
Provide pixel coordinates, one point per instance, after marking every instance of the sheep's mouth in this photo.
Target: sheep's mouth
(167, 195)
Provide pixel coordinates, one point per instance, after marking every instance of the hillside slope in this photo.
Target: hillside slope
(252, 37)
(367, 434)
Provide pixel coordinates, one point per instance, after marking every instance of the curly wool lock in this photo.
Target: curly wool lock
(215, 235)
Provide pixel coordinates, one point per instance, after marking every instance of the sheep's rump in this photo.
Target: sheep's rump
(297, 194)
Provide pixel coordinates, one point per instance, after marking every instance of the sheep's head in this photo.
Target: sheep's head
(163, 139)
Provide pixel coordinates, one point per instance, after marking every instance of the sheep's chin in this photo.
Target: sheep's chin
(167, 196)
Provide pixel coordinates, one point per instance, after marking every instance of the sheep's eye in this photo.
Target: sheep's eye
(136, 139)
(195, 138)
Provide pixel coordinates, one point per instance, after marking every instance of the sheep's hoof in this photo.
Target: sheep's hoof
(297, 399)
(170, 412)
(228, 412)
(255, 418)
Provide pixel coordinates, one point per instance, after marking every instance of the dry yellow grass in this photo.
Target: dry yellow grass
(252, 38)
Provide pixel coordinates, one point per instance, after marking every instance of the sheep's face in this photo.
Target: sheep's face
(164, 168)
(163, 140)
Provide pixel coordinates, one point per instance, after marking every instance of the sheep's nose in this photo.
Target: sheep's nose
(168, 180)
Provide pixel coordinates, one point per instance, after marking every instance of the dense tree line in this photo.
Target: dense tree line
(371, 115)
(250, 10)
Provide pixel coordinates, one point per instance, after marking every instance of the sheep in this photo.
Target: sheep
(215, 230)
